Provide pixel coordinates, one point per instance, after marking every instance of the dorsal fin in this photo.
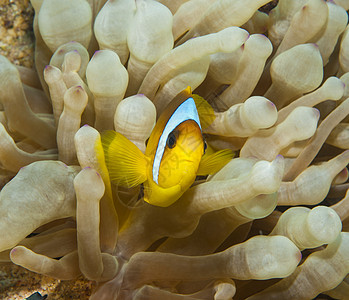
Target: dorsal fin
(205, 111)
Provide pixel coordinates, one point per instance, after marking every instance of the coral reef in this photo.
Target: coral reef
(16, 31)
(272, 224)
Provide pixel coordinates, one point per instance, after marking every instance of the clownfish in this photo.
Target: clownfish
(174, 155)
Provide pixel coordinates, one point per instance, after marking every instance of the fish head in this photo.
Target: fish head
(178, 166)
(175, 149)
(159, 196)
(182, 155)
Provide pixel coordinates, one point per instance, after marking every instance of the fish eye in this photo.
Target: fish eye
(205, 147)
(171, 140)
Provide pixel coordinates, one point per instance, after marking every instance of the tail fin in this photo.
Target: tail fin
(126, 164)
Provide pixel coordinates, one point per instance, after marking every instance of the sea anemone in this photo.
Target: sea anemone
(271, 224)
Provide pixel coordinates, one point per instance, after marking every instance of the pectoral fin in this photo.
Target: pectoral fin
(212, 163)
(126, 164)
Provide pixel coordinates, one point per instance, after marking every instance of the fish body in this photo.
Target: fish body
(173, 154)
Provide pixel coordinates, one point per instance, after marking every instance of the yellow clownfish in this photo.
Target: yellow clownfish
(174, 155)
